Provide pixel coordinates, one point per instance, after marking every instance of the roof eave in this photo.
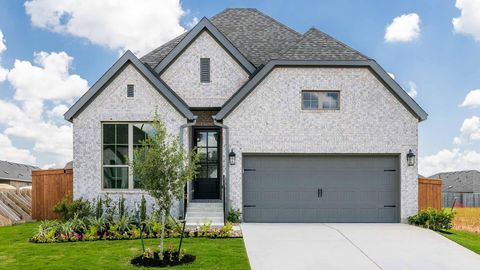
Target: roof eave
(128, 57)
(190, 37)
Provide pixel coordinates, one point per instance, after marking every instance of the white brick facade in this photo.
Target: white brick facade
(183, 75)
(112, 104)
(370, 120)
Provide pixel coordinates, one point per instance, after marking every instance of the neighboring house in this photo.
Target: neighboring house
(299, 127)
(16, 174)
(460, 181)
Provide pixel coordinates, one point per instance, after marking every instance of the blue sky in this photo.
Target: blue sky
(441, 61)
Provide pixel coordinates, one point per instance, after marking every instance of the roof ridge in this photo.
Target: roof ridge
(16, 163)
(451, 172)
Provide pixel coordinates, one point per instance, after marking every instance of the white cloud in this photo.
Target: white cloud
(470, 131)
(49, 80)
(472, 99)
(469, 20)
(31, 116)
(404, 28)
(3, 47)
(449, 160)
(128, 24)
(413, 89)
(193, 22)
(13, 154)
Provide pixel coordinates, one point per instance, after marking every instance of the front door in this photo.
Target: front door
(207, 183)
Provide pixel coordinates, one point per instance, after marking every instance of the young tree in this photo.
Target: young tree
(163, 167)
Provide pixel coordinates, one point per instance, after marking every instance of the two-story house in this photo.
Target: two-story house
(291, 127)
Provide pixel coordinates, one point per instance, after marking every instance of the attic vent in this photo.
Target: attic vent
(204, 70)
(130, 90)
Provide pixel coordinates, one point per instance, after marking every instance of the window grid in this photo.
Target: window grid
(320, 100)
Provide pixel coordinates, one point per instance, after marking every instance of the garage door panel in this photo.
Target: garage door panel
(353, 189)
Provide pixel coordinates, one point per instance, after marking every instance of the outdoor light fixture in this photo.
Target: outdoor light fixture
(231, 156)
(410, 158)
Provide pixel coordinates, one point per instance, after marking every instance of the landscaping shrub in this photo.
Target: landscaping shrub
(233, 215)
(68, 208)
(433, 219)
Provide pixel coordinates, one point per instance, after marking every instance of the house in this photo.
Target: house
(460, 187)
(291, 127)
(459, 181)
(16, 174)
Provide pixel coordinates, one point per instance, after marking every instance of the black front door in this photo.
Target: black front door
(207, 183)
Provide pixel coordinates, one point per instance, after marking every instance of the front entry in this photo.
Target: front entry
(206, 185)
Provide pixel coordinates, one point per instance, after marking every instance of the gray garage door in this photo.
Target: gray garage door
(320, 189)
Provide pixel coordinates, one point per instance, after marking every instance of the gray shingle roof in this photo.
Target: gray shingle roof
(260, 38)
(461, 181)
(11, 170)
(316, 45)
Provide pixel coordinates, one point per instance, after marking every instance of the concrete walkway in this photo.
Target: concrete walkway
(352, 246)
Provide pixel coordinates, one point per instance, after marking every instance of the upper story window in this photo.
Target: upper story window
(119, 140)
(320, 100)
(204, 70)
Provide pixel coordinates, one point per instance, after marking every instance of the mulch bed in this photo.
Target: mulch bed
(168, 260)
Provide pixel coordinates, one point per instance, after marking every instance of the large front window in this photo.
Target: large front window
(119, 140)
(320, 100)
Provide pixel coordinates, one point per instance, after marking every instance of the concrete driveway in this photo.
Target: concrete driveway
(352, 246)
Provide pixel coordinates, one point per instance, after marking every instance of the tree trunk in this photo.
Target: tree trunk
(163, 232)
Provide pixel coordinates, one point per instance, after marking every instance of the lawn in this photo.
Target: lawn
(17, 253)
(467, 239)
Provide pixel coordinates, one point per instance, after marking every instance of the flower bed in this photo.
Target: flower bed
(96, 229)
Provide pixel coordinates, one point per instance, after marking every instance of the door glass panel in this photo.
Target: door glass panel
(212, 155)
(212, 171)
(202, 139)
(202, 152)
(212, 139)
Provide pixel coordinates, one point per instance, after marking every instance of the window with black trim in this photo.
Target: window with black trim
(204, 70)
(119, 140)
(320, 100)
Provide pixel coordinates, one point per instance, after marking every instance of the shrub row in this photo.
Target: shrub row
(433, 219)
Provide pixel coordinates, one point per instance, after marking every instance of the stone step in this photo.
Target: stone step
(204, 214)
(203, 210)
(205, 206)
(201, 221)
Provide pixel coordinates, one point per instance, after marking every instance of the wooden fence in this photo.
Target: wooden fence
(429, 193)
(48, 188)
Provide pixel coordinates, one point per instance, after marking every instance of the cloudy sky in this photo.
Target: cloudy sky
(51, 52)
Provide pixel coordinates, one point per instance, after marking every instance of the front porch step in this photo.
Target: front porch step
(199, 213)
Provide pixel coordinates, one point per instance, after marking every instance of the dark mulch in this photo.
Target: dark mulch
(168, 260)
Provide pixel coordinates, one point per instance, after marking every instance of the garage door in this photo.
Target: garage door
(320, 189)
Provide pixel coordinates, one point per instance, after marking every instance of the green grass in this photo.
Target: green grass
(17, 253)
(466, 239)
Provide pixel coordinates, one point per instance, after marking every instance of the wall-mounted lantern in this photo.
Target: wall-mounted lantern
(410, 158)
(231, 156)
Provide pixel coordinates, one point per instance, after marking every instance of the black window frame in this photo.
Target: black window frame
(320, 100)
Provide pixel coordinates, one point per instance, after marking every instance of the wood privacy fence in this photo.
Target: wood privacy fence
(429, 193)
(48, 188)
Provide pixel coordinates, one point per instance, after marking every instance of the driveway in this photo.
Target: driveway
(352, 246)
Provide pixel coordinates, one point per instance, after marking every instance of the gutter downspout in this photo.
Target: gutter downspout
(227, 164)
(183, 203)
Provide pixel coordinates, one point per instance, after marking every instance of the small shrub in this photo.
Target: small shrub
(121, 206)
(433, 219)
(110, 209)
(234, 215)
(99, 208)
(68, 208)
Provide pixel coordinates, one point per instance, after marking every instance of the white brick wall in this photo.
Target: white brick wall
(113, 105)
(226, 76)
(370, 120)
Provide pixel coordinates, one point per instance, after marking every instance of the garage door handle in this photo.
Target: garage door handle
(249, 205)
(390, 205)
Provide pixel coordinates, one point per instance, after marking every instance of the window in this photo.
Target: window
(119, 140)
(130, 90)
(320, 100)
(204, 70)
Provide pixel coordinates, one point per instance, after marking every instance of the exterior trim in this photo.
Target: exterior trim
(375, 68)
(129, 57)
(190, 37)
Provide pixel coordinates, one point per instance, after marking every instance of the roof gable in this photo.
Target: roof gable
(16, 171)
(378, 71)
(129, 57)
(204, 25)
